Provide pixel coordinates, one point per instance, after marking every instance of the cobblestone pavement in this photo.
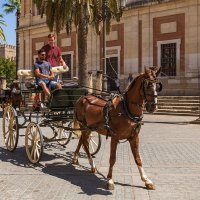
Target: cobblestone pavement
(169, 146)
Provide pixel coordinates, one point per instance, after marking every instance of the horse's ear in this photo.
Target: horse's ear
(158, 71)
(116, 101)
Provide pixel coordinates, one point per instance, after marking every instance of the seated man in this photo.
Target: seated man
(44, 75)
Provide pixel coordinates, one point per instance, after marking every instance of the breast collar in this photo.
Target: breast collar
(124, 107)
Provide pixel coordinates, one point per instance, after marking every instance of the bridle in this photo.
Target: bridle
(145, 88)
(145, 94)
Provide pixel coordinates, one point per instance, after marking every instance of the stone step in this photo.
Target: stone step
(182, 107)
(179, 100)
(179, 97)
(186, 104)
(175, 113)
(196, 112)
(179, 105)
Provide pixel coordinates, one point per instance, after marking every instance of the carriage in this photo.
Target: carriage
(24, 112)
(120, 118)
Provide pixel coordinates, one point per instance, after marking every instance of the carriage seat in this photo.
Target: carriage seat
(30, 76)
(29, 73)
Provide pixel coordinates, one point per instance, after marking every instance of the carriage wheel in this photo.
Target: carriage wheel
(33, 142)
(94, 143)
(10, 128)
(65, 135)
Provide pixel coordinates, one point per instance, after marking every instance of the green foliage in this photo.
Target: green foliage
(12, 6)
(64, 13)
(8, 69)
(2, 36)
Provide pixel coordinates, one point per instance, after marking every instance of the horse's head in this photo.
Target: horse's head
(150, 88)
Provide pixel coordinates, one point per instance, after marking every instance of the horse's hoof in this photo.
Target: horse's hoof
(93, 170)
(75, 161)
(110, 185)
(150, 186)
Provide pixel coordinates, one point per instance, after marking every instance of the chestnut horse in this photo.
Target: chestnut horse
(121, 121)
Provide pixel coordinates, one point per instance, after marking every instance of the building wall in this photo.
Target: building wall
(135, 41)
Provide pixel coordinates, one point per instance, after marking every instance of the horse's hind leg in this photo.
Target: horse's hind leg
(76, 153)
(85, 140)
(113, 148)
(134, 143)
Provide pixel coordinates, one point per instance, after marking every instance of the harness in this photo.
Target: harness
(125, 112)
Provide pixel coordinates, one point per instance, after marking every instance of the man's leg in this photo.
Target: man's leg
(45, 89)
(55, 85)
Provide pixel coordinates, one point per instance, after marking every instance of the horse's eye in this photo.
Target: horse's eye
(159, 87)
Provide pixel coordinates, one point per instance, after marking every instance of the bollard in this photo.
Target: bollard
(90, 82)
(99, 82)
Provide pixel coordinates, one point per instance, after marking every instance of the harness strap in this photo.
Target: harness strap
(127, 113)
(134, 130)
(106, 116)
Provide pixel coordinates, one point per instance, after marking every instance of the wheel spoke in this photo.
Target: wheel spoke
(35, 153)
(12, 139)
(38, 153)
(6, 133)
(32, 150)
(91, 146)
(7, 139)
(30, 139)
(93, 141)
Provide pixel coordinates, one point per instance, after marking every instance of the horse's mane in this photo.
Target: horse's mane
(133, 81)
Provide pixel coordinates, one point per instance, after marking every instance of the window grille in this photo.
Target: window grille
(168, 59)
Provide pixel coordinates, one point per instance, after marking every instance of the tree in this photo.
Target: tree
(2, 22)
(8, 69)
(82, 13)
(10, 7)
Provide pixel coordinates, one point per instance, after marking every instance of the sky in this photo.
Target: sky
(9, 30)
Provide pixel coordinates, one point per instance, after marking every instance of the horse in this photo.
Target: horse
(120, 119)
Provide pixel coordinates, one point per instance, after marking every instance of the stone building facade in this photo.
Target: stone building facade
(163, 33)
(8, 51)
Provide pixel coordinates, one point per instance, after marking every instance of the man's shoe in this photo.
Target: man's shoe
(42, 105)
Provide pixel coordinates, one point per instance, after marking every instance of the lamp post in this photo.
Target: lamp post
(104, 86)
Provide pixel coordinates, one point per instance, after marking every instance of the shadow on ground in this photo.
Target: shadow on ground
(58, 164)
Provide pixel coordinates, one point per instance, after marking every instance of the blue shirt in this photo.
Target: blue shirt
(44, 68)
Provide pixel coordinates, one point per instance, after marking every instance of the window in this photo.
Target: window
(111, 71)
(168, 59)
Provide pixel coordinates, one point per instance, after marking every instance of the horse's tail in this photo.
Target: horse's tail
(76, 125)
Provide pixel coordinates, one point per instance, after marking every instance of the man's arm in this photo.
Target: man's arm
(38, 74)
(62, 62)
(51, 75)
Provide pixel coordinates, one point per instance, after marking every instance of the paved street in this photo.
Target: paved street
(170, 148)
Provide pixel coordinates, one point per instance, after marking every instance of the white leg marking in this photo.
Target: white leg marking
(144, 176)
(110, 181)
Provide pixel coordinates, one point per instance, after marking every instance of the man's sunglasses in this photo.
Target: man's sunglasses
(43, 54)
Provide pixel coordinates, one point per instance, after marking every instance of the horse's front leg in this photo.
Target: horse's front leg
(134, 143)
(113, 148)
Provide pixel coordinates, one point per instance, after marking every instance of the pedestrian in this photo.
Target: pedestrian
(117, 83)
(129, 79)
